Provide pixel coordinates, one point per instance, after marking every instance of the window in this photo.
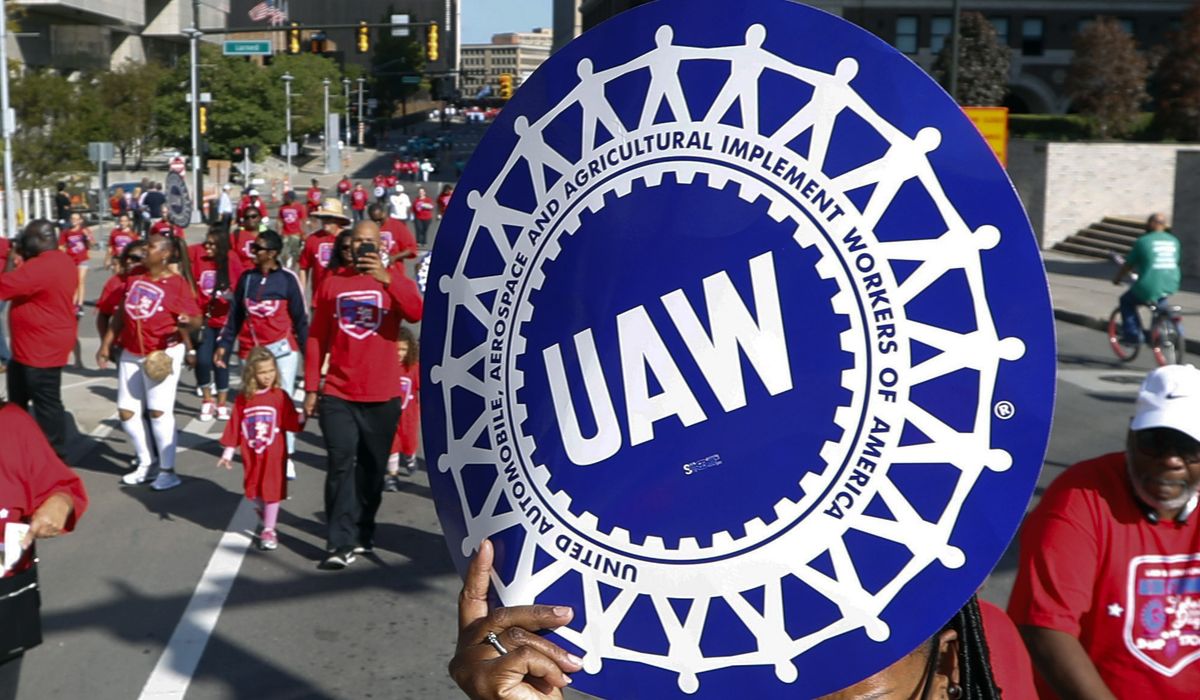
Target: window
(1033, 30)
(1000, 24)
(1126, 24)
(939, 29)
(906, 34)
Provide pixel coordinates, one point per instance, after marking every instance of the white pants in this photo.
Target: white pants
(288, 365)
(134, 387)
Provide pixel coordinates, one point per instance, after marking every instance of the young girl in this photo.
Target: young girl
(404, 444)
(261, 413)
(76, 241)
(121, 236)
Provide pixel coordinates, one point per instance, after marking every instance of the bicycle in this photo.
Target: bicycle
(1164, 334)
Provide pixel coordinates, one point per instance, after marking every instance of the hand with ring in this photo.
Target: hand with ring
(500, 654)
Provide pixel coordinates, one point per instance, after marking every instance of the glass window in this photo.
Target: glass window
(906, 34)
(1000, 24)
(1126, 24)
(939, 29)
(1033, 30)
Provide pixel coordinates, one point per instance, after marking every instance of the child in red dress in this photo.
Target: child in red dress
(404, 444)
(261, 414)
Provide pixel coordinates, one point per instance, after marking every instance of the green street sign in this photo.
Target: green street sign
(410, 80)
(247, 48)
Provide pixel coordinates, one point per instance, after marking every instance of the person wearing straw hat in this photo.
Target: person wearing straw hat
(1107, 594)
(318, 247)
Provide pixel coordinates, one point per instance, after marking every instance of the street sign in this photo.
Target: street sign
(247, 48)
(992, 123)
(292, 146)
(177, 165)
(410, 80)
(100, 151)
(400, 19)
(179, 202)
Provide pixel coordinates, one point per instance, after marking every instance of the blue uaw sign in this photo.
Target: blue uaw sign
(737, 341)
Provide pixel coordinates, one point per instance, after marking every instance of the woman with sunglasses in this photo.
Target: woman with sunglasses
(217, 271)
(121, 236)
(267, 309)
(249, 226)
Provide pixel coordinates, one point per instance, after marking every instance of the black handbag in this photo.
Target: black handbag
(20, 614)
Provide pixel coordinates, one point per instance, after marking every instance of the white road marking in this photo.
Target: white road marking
(85, 382)
(173, 673)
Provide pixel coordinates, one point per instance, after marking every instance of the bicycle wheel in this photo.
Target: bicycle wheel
(1125, 352)
(1167, 341)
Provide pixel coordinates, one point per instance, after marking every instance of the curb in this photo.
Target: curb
(1191, 345)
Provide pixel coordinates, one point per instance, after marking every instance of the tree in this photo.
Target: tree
(1107, 78)
(308, 71)
(1177, 81)
(56, 118)
(247, 110)
(127, 94)
(982, 63)
(393, 58)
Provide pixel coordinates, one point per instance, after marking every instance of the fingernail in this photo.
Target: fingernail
(562, 611)
(567, 679)
(575, 660)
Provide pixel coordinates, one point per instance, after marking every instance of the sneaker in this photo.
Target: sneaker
(409, 466)
(337, 560)
(222, 412)
(268, 540)
(140, 475)
(366, 547)
(391, 483)
(199, 391)
(207, 409)
(291, 470)
(166, 479)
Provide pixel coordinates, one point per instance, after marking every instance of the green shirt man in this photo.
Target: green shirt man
(1155, 259)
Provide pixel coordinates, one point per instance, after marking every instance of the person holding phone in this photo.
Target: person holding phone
(356, 321)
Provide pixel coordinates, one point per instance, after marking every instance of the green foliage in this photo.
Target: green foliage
(308, 110)
(1107, 78)
(56, 118)
(128, 97)
(1178, 81)
(392, 58)
(983, 63)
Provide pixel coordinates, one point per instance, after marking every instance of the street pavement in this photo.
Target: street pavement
(161, 595)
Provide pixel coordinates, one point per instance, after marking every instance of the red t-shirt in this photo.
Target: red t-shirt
(343, 186)
(1092, 566)
(398, 241)
(358, 200)
(77, 241)
(443, 202)
(266, 318)
(357, 320)
(423, 208)
(292, 216)
(313, 198)
(405, 441)
(204, 270)
(152, 311)
(30, 473)
(240, 240)
(42, 315)
(248, 202)
(111, 295)
(118, 239)
(390, 182)
(318, 251)
(257, 427)
(378, 181)
(166, 228)
(5, 247)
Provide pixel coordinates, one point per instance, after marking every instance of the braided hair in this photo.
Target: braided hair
(974, 659)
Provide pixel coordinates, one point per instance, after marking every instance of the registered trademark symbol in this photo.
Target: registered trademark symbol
(1004, 410)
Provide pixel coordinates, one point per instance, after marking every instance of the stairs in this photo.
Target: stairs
(1112, 234)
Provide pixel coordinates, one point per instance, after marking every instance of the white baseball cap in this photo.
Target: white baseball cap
(1170, 398)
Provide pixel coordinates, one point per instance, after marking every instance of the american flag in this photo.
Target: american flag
(272, 10)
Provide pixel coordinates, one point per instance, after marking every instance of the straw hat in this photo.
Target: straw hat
(331, 209)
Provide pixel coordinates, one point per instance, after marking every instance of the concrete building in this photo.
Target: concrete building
(568, 22)
(1039, 32)
(517, 54)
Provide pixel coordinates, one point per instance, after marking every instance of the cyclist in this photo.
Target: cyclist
(1155, 259)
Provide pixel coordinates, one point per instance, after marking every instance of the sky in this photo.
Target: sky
(483, 18)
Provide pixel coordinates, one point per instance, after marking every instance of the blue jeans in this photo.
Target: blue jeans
(1131, 325)
(5, 353)
(205, 369)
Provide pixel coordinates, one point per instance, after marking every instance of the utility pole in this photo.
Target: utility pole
(346, 109)
(955, 34)
(328, 136)
(287, 94)
(193, 34)
(361, 128)
(9, 126)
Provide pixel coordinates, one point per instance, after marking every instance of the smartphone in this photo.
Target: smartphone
(363, 250)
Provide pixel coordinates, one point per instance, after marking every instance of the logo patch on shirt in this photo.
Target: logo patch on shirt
(360, 313)
(208, 281)
(263, 309)
(325, 253)
(1162, 617)
(143, 300)
(246, 248)
(405, 392)
(260, 426)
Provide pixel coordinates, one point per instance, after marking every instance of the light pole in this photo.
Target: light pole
(346, 108)
(10, 184)
(955, 31)
(360, 116)
(287, 96)
(193, 34)
(328, 136)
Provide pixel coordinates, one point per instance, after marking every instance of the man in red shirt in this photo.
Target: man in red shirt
(242, 238)
(318, 248)
(343, 187)
(312, 198)
(356, 321)
(251, 200)
(164, 227)
(43, 326)
(1107, 594)
(397, 242)
(358, 202)
(423, 208)
(291, 225)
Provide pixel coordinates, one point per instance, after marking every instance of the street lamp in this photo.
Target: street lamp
(360, 112)
(287, 95)
(328, 143)
(6, 115)
(193, 34)
(346, 108)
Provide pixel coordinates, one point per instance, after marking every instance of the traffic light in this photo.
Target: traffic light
(506, 86)
(431, 43)
(316, 42)
(293, 39)
(203, 119)
(364, 37)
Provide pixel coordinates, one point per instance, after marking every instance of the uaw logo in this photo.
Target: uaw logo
(360, 313)
(324, 253)
(406, 394)
(260, 426)
(739, 343)
(143, 300)
(248, 247)
(266, 308)
(1162, 618)
(77, 244)
(208, 281)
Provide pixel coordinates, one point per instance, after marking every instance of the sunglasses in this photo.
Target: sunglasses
(260, 248)
(250, 216)
(1164, 442)
(136, 258)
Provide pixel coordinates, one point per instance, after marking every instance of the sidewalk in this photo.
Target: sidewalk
(1082, 293)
